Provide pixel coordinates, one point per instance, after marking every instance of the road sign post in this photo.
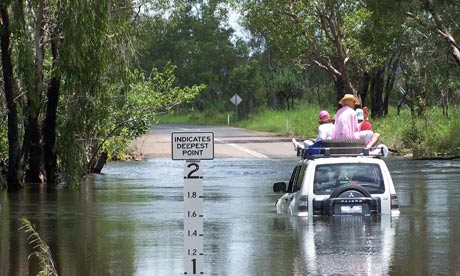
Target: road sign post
(193, 147)
(236, 100)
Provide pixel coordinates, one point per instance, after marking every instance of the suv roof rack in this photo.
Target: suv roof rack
(325, 152)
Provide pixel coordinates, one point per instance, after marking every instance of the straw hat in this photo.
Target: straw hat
(349, 97)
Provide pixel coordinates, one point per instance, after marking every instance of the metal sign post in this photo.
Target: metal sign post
(193, 147)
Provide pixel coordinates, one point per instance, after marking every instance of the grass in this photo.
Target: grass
(424, 136)
(41, 250)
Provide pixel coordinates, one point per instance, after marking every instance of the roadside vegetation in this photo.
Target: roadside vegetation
(433, 136)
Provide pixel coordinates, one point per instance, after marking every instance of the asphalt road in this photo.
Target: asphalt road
(228, 142)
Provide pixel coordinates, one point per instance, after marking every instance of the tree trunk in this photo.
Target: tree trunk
(35, 151)
(364, 87)
(340, 89)
(49, 126)
(14, 179)
(391, 77)
(33, 141)
(377, 94)
(100, 162)
(445, 33)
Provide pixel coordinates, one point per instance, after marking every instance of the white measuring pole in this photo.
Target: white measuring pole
(193, 218)
(193, 147)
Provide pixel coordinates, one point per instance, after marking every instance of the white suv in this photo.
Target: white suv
(330, 184)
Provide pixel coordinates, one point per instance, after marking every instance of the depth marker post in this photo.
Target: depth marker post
(193, 147)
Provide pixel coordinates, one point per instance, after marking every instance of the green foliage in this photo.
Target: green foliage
(425, 136)
(450, 142)
(403, 133)
(3, 141)
(248, 83)
(196, 40)
(94, 54)
(41, 250)
(145, 98)
(412, 135)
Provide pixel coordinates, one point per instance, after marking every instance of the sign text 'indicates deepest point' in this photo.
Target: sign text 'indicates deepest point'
(192, 145)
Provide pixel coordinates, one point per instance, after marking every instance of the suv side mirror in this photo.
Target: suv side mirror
(279, 187)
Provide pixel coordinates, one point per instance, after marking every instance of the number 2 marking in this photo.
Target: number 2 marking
(190, 174)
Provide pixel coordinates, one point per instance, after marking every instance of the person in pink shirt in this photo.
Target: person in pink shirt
(346, 122)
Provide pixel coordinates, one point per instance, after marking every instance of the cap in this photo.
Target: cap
(324, 114)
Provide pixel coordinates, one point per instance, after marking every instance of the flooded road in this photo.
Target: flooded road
(129, 221)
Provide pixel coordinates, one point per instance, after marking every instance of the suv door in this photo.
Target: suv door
(294, 185)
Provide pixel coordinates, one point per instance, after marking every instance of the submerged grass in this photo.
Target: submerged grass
(41, 250)
(426, 136)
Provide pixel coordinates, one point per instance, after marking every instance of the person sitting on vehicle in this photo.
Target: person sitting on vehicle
(371, 138)
(346, 123)
(325, 130)
(363, 115)
(326, 126)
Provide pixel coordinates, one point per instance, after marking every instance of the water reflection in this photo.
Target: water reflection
(129, 221)
(344, 245)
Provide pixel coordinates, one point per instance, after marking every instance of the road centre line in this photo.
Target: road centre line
(254, 153)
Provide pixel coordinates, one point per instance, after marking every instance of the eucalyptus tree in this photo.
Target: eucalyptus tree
(70, 79)
(59, 45)
(10, 92)
(197, 40)
(384, 39)
(247, 81)
(445, 17)
(320, 33)
(438, 21)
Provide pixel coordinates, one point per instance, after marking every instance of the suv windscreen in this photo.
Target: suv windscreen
(330, 176)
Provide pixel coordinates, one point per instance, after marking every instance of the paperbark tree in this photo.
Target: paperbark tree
(14, 174)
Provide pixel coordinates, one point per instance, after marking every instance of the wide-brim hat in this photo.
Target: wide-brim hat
(349, 97)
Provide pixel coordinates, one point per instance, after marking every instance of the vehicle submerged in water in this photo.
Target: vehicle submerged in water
(339, 178)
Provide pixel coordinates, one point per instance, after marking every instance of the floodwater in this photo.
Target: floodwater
(129, 221)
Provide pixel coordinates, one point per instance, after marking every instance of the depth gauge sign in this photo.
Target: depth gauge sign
(193, 147)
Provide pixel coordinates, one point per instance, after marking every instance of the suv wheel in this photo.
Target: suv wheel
(349, 200)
